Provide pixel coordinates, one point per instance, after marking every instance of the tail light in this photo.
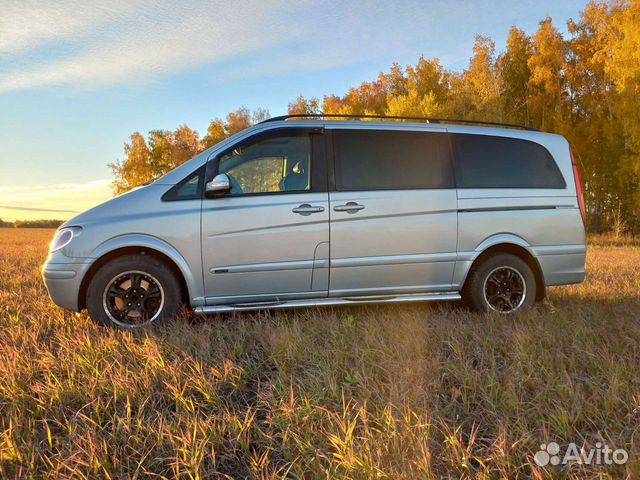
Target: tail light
(576, 176)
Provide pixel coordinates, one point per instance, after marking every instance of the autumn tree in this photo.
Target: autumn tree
(394, 82)
(585, 86)
(161, 147)
(515, 74)
(427, 77)
(216, 132)
(235, 122)
(134, 169)
(335, 105)
(302, 106)
(482, 82)
(460, 104)
(423, 92)
(413, 105)
(238, 121)
(548, 83)
(260, 115)
(593, 125)
(164, 149)
(622, 64)
(186, 145)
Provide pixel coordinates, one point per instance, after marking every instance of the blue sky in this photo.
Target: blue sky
(77, 78)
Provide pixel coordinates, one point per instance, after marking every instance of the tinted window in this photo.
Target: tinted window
(275, 164)
(484, 161)
(187, 189)
(385, 160)
(190, 188)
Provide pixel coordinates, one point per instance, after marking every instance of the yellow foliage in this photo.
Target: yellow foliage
(413, 105)
(585, 87)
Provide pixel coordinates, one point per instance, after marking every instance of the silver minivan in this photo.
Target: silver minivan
(307, 210)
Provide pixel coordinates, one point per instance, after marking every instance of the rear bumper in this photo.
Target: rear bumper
(63, 282)
(562, 265)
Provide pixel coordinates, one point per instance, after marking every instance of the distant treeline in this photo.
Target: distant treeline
(31, 224)
(585, 86)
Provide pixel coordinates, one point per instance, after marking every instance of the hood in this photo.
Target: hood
(126, 202)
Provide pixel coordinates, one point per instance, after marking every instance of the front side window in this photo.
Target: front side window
(391, 160)
(188, 189)
(272, 165)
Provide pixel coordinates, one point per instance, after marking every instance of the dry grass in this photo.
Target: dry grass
(386, 392)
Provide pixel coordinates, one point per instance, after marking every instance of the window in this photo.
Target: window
(275, 164)
(188, 189)
(387, 160)
(484, 161)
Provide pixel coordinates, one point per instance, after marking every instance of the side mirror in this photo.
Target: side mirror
(218, 186)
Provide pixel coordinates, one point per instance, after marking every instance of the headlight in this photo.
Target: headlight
(62, 238)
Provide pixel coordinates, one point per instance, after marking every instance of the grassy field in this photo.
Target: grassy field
(424, 391)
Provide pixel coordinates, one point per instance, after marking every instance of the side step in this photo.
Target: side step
(319, 302)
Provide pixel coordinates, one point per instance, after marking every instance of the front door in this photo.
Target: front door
(268, 239)
(393, 212)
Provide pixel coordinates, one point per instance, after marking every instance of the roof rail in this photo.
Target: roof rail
(389, 117)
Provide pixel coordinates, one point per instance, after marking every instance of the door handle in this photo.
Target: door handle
(306, 209)
(349, 207)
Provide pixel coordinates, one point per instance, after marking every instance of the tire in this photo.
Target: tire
(494, 285)
(133, 291)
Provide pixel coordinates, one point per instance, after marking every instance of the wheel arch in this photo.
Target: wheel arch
(513, 245)
(143, 245)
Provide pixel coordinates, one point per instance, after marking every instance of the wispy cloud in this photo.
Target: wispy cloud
(28, 24)
(96, 43)
(92, 44)
(48, 201)
(128, 41)
(32, 209)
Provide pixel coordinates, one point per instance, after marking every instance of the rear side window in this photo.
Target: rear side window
(484, 161)
(391, 160)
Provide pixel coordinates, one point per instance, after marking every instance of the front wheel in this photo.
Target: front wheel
(133, 291)
(502, 283)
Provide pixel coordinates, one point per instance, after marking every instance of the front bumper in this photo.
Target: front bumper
(63, 281)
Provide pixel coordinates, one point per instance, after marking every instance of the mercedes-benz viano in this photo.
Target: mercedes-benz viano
(305, 212)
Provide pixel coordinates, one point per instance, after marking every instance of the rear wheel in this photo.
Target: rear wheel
(133, 291)
(502, 283)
